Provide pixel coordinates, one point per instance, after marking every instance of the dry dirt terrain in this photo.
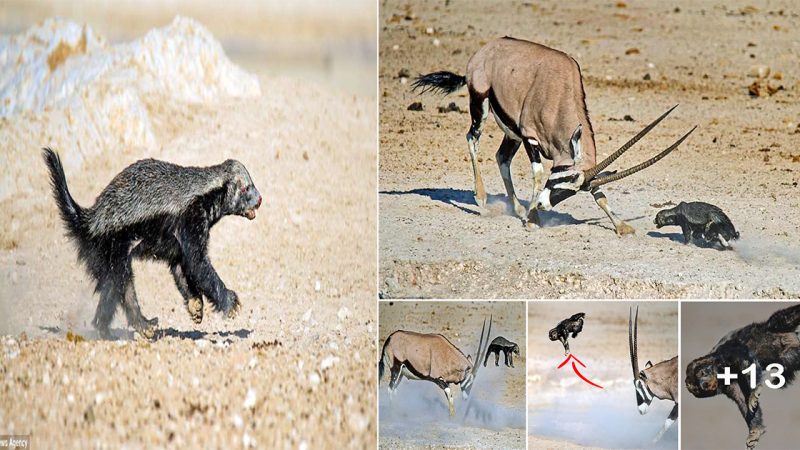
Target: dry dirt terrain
(289, 371)
(712, 423)
(638, 59)
(418, 417)
(564, 411)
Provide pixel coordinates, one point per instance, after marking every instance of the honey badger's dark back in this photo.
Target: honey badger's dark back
(167, 210)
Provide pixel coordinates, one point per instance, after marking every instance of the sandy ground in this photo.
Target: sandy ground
(435, 241)
(289, 370)
(418, 415)
(564, 411)
(712, 423)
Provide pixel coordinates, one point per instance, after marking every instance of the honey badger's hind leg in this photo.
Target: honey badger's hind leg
(123, 280)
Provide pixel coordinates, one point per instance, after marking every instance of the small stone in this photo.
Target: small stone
(237, 421)
(328, 362)
(343, 313)
(314, 378)
(758, 71)
(249, 399)
(416, 106)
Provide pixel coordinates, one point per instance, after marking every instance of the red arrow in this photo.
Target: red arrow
(575, 368)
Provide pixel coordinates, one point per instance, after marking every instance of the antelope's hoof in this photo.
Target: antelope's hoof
(624, 228)
(519, 210)
(195, 308)
(480, 200)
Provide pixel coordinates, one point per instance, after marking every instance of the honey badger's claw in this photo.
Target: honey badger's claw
(235, 307)
(195, 308)
(752, 402)
(148, 330)
(754, 436)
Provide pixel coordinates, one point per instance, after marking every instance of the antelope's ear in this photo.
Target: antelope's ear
(648, 365)
(469, 358)
(575, 144)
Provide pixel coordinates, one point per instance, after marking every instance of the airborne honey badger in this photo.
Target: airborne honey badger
(155, 210)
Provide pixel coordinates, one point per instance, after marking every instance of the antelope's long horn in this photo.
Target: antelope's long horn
(591, 173)
(620, 175)
(483, 345)
(632, 335)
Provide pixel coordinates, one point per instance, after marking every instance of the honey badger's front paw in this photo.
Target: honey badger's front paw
(147, 328)
(231, 306)
(195, 308)
(754, 436)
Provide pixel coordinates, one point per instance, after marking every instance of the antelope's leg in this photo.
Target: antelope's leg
(673, 416)
(621, 227)
(535, 157)
(395, 374)
(504, 156)
(479, 111)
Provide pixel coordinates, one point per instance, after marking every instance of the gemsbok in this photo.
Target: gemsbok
(431, 357)
(655, 381)
(537, 98)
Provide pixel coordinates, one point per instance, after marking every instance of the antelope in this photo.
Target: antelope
(537, 98)
(655, 381)
(431, 357)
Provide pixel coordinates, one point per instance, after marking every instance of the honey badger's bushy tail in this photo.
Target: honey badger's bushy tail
(71, 213)
(439, 83)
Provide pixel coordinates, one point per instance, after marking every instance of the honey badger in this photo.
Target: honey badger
(699, 222)
(501, 344)
(561, 332)
(762, 343)
(161, 211)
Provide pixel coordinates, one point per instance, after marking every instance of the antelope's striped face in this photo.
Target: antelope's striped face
(643, 395)
(466, 384)
(562, 184)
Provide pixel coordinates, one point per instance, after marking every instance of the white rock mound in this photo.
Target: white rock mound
(83, 92)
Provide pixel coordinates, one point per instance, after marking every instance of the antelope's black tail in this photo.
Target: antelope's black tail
(439, 83)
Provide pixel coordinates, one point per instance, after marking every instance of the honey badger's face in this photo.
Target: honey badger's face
(701, 377)
(665, 217)
(243, 197)
(515, 349)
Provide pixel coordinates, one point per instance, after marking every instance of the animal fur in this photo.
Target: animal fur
(762, 343)
(161, 211)
(561, 332)
(700, 222)
(501, 344)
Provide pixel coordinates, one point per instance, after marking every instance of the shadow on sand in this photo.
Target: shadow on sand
(127, 334)
(460, 197)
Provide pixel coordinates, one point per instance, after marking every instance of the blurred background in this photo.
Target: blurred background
(331, 42)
